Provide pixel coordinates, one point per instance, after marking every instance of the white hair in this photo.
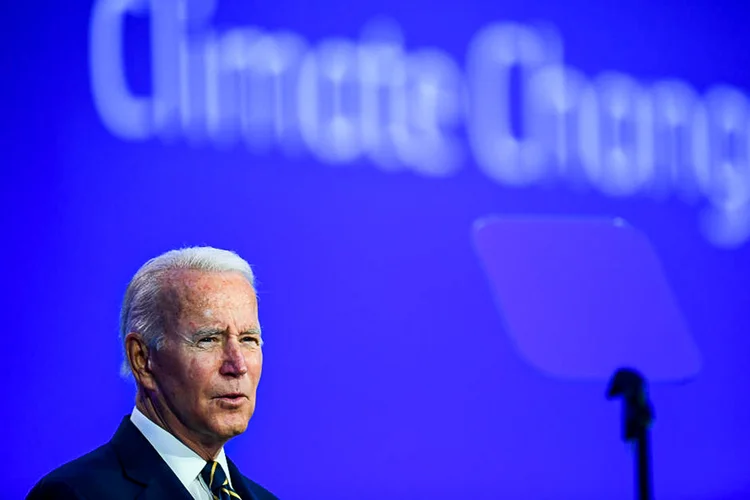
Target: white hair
(142, 306)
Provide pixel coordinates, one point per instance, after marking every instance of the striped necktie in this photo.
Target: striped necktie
(214, 476)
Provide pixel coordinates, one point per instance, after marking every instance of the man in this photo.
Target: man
(192, 341)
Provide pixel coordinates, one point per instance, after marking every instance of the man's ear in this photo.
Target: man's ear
(139, 358)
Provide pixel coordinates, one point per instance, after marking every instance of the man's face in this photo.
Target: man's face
(209, 366)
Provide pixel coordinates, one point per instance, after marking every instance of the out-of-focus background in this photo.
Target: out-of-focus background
(464, 216)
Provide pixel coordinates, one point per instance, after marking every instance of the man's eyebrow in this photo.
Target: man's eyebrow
(215, 330)
(208, 330)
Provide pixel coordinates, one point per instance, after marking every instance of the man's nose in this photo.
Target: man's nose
(234, 364)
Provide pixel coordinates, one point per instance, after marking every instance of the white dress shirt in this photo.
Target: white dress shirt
(184, 462)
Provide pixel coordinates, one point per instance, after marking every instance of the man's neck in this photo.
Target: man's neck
(162, 417)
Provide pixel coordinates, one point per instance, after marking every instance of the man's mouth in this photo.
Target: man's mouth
(232, 396)
(232, 399)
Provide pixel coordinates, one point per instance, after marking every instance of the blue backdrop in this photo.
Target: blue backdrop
(462, 216)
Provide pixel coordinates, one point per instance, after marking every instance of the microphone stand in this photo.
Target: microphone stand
(638, 415)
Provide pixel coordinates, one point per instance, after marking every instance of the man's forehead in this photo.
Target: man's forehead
(181, 278)
(191, 286)
(195, 299)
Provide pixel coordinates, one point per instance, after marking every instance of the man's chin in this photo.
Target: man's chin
(232, 425)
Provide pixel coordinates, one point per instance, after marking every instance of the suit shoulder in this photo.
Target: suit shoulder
(52, 488)
(68, 478)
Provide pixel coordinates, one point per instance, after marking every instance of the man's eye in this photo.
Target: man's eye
(254, 340)
(206, 340)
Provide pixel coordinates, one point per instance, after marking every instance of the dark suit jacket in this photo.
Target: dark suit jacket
(127, 468)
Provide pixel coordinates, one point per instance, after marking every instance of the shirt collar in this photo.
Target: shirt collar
(184, 462)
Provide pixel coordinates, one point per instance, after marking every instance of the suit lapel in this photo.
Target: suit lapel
(160, 490)
(239, 483)
(142, 464)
